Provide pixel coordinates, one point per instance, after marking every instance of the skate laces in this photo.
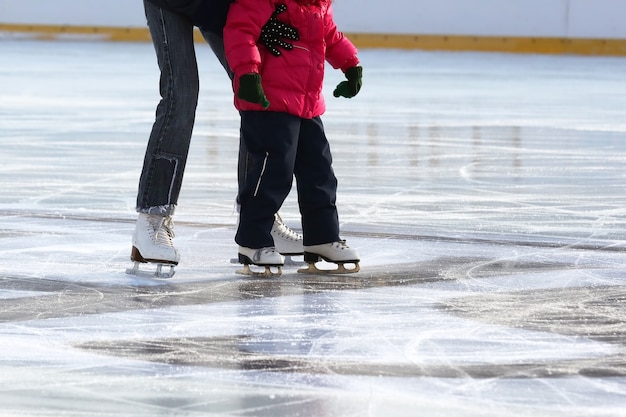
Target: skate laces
(341, 244)
(283, 231)
(163, 228)
(168, 226)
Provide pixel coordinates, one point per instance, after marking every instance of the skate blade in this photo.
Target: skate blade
(158, 273)
(246, 270)
(341, 269)
(289, 261)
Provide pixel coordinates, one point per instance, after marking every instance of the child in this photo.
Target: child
(280, 101)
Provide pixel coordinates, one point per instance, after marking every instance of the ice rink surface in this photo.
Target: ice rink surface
(485, 192)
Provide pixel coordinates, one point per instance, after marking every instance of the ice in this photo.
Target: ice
(486, 194)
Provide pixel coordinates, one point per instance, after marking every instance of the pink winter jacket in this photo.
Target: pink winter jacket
(292, 82)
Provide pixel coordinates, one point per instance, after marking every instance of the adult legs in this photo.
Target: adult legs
(168, 145)
(216, 42)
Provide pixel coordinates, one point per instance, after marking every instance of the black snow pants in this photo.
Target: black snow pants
(281, 145)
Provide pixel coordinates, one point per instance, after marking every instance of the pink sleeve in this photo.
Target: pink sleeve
(243, 28)
(340, 52)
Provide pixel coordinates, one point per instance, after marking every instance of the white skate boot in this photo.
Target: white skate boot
(266, 257)
(152, 243)
(286, 241)
(336, 252)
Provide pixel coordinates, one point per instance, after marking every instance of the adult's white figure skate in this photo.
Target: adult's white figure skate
(152, 243)
(336, 252)
(265, 257)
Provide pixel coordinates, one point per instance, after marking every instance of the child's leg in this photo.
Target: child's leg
(271, 141)
(317, 185)
(317, 191)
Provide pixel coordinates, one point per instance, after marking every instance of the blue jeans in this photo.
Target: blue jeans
(168, 145)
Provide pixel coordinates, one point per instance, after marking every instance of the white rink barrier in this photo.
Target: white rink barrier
(527, 26)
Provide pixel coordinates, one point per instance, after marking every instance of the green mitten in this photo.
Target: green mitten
(250, 89)
(351, 87)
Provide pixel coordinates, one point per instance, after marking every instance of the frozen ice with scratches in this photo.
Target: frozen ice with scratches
(485, 192)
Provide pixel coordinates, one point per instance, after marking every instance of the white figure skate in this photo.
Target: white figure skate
(336, 252)
(286, 241)
(265, 257)
(152, 243)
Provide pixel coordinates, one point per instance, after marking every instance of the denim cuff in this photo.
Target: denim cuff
(166, 210)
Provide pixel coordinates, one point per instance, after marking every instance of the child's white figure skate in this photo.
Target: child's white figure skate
(152, 243)
(336, 252)
(265, 257)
